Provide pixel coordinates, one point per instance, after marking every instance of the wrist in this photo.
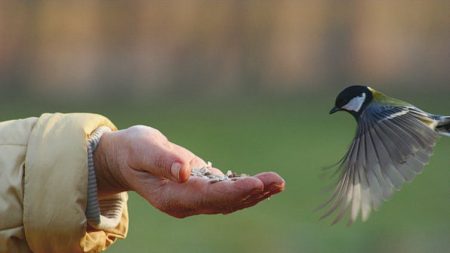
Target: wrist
(107, 168)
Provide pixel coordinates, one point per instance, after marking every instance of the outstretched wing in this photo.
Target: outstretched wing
(391, 146)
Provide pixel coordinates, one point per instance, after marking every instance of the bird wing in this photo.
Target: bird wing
(391, 146)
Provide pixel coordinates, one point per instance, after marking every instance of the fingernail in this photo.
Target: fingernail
(175, 170)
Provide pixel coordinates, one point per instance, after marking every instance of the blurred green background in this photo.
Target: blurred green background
(246, 85)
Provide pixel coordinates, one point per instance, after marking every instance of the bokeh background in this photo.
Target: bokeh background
(246, 85)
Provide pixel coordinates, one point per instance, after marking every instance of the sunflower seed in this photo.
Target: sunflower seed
(205, 172)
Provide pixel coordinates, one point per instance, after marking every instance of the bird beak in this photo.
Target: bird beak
(335, 109)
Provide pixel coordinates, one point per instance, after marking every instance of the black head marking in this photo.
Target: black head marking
(349, 93)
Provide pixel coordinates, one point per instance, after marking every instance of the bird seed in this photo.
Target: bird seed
(205, 172)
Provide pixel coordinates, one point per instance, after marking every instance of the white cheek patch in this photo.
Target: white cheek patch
(356, 103)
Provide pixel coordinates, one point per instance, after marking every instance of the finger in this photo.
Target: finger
(194, 162)
(224, 196)
(273, 184)
(172, 164)
(257, 198)
(249, 203)
(200, 196)
(272, 181)
(247, 189)
(168, 160)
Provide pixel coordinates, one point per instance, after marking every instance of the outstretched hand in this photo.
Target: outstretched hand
(142, 159)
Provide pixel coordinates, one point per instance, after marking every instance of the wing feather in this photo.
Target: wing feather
(391, 146)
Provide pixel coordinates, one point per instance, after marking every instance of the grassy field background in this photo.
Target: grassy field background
(295, 137)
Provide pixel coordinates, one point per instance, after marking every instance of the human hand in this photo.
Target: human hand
(142, 159)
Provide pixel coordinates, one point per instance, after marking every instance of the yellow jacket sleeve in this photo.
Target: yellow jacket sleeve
(43, 186)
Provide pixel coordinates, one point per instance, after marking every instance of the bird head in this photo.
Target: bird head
(353, 99)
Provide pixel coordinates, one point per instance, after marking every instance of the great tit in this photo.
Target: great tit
(394, 141)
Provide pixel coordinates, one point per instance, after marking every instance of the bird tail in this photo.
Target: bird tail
(443, 126)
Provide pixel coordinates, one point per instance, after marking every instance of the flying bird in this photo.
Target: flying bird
(394, 141)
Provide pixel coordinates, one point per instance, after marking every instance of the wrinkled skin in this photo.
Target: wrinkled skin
(142, 159)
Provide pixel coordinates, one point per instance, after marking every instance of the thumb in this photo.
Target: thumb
(172, 165)
(180, 171)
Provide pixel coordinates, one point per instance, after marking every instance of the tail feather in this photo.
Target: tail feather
(443, 126)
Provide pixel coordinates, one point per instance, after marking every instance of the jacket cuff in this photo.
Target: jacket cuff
(56, 183)
(104, 213)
